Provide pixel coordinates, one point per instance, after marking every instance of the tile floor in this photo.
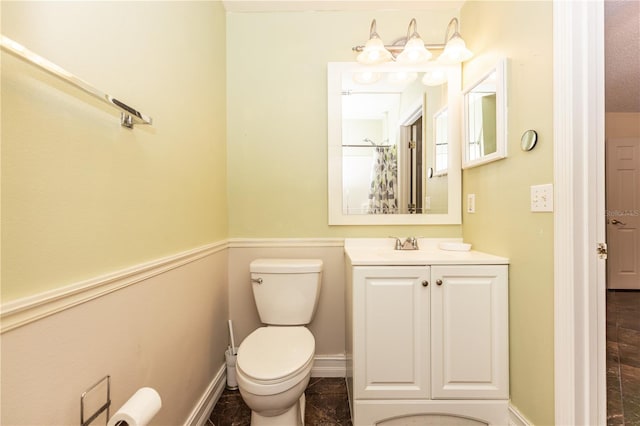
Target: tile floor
(623, 357)
(326, 405)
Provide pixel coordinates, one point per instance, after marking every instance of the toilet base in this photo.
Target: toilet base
(294, 416)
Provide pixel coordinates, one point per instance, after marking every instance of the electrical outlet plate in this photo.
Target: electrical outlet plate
(471, 203)
(542, 198)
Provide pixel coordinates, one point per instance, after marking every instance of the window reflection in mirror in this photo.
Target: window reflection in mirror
(441, 142)
(382, 147)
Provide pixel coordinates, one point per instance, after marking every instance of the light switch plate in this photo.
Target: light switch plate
(542, 198)
(471, 203)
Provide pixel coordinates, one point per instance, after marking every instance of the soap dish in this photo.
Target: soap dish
(455, 246)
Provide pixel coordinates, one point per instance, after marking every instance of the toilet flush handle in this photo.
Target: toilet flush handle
(256, 280)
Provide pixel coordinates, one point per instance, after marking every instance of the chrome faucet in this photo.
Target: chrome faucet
(410, 243)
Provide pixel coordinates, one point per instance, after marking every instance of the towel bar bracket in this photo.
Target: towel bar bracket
(126, 120)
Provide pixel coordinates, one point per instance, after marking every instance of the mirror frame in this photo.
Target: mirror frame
(334, 143)
(501, 117)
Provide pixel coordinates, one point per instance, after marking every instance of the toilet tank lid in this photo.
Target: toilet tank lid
(285, 266)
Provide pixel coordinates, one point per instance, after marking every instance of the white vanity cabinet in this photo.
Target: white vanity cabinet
(428, 344)
(391, 332)
(469, 332)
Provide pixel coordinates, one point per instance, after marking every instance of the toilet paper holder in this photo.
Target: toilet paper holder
(100, 410)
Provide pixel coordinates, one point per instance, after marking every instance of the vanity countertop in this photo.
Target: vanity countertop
(380, 251)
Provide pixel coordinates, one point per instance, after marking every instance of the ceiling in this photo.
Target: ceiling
(622, 55)
(334, 5)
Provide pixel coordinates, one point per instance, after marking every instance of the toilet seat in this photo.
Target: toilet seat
(274, 359)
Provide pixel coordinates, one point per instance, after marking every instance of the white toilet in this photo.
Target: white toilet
(274, 362)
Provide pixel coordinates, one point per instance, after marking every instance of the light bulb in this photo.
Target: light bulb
(455, 51)
(374, 52)
(414, 52)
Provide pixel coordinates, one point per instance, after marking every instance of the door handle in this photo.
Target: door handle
(617, 222)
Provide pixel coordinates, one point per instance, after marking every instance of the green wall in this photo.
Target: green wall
(503, 223)
(82, 196)
(277, 117)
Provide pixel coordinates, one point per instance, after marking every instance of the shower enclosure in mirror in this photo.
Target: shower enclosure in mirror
(394, 153)
(485, 111)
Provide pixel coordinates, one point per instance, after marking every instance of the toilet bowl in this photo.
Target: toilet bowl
(273, 370)
(274, 363)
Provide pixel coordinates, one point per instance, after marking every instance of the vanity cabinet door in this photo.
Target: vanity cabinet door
(391, 332)
(469, 333)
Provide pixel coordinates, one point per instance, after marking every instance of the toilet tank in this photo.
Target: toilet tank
(286, 291)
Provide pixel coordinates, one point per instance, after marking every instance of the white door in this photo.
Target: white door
(623, 213)
(469, 332)
(391, 332)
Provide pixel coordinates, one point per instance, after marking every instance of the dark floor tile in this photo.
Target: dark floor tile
(326, 405)
(615, 412)
(623, 358)
(230, 410)
(324, 410)
(326, 386)
(613, 355)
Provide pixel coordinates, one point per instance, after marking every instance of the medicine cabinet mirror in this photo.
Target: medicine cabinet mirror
(394, 146)
(485, 118)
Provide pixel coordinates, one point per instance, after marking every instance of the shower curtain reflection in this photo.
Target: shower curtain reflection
(383, 197)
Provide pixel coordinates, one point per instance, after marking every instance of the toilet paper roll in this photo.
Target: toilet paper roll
(138, 410)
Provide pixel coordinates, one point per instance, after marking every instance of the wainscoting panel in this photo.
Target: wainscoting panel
(162, 324)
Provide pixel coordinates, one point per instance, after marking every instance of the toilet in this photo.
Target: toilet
(274, 362)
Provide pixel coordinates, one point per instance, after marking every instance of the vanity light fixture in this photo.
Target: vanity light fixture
(411, 49)
(374, 51)
(414, 51)
(455, 50)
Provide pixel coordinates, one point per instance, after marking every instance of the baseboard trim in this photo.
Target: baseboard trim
(329, 366)
(204, 407)
(516, 418)
(23, 311)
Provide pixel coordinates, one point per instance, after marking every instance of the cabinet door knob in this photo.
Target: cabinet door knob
(425, 283)
(439, 282)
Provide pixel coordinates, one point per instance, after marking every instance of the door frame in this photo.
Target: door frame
(579, 217)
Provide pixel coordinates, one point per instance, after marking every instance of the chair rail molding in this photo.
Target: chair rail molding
(17, 313)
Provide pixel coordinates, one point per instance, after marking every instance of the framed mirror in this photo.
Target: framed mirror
(485, 118)
(383, 166)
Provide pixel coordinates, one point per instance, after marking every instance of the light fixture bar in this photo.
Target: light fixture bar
(399, 48)
(410, 49)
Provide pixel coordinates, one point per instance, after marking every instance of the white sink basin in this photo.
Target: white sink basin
(384, 254)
